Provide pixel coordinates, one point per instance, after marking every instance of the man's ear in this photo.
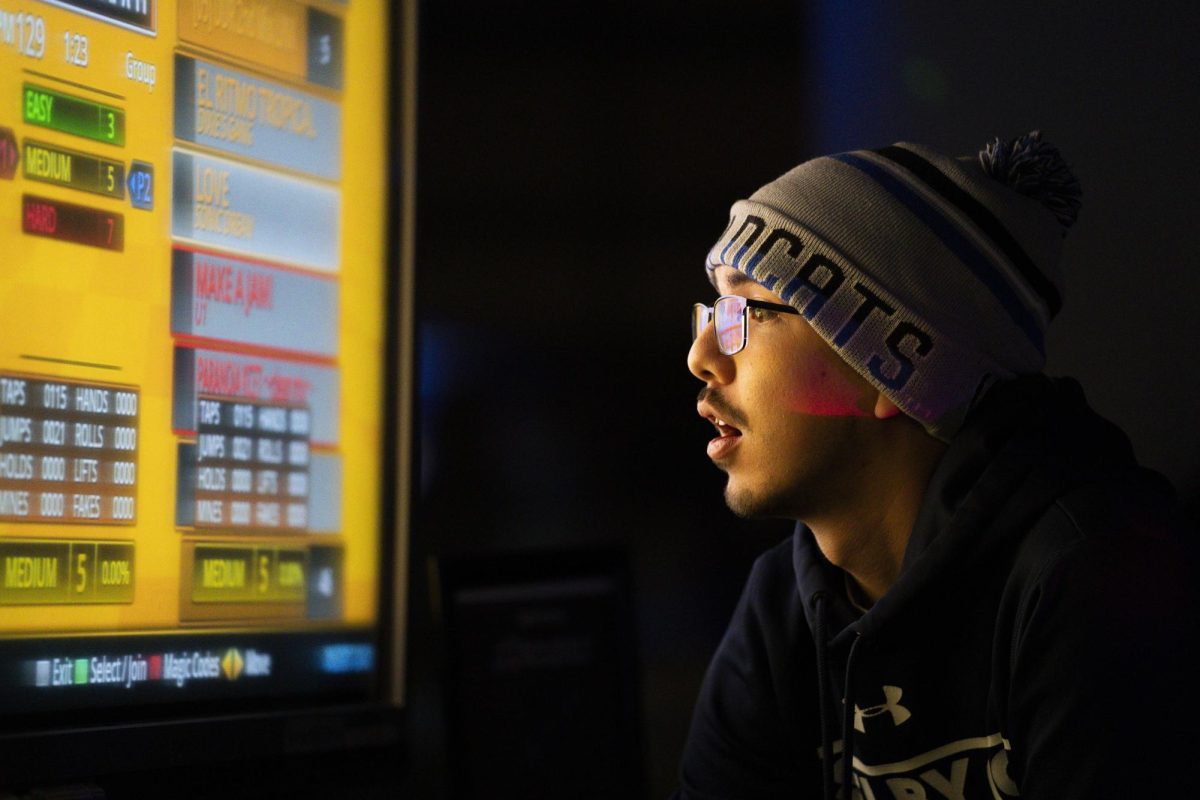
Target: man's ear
(884, 407)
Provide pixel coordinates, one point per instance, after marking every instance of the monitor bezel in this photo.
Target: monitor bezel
(93, 747)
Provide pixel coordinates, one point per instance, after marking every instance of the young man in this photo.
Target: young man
(985, 596)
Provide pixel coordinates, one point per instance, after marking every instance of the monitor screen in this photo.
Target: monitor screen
(198, 400)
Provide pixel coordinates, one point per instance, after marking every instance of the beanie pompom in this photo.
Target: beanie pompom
(1035, 169)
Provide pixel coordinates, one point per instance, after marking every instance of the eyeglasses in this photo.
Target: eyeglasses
(732, 324)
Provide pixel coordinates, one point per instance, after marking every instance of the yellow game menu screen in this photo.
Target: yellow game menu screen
(192, 311)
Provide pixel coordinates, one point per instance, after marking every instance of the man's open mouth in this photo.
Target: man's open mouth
(725, 429)
(726, 439)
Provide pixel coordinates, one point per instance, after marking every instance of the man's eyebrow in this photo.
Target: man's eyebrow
(736, 278)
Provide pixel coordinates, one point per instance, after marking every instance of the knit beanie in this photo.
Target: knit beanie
(933, 276)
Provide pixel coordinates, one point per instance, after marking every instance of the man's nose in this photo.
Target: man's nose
(706, 361)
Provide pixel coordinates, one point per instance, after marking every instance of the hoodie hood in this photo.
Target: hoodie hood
(1028, 442)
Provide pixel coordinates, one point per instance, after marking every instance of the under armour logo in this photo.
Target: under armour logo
(891, 705)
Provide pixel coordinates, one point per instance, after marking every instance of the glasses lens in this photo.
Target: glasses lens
(729, 313)
(701, 314)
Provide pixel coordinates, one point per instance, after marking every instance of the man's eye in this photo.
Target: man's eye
(760, 314)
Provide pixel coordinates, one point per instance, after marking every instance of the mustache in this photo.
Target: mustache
(722, 406)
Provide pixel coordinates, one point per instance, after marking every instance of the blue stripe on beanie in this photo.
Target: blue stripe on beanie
(967, 253)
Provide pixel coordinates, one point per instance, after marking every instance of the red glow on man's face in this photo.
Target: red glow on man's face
(818, 383)
(831, 405)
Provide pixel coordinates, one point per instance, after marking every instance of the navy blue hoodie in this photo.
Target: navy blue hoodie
(1036, 644)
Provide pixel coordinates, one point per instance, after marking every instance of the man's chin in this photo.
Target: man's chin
(749, 504)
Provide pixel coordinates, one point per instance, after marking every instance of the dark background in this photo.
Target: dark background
(576, 161)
